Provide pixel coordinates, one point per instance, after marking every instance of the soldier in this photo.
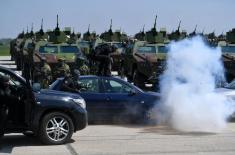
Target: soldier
(6, 99)
(83, 68)
(43, 74)
(103, 56)
(28, 67)
(63, 69)
(71, 84)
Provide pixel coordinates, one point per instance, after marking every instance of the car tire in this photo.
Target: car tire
(56, 128)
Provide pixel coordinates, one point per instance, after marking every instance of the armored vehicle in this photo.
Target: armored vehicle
(58, 46)
(117, 39)
(144, 60)
(140, 36)
(177, 35)
(20, 42)
(228, 51)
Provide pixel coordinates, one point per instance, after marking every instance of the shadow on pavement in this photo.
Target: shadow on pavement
(166, 130)
(8, 142)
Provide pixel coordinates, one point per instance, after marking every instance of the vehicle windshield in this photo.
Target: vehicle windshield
(147, 49)
(83, 44)
(69, 49)
(228, 49)
(162, 49)
(48, 49)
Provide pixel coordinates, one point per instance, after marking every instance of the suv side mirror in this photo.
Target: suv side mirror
(132, 92)
(36, 87)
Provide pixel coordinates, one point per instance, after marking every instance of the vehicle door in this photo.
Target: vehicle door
(95, 98)
(21, 100)
(122, 99)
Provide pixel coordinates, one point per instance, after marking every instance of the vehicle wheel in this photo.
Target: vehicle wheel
(56, 128)
(138, 79)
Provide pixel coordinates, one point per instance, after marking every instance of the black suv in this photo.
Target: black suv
(52, 116)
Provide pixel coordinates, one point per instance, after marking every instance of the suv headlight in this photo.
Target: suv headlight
(80, 102)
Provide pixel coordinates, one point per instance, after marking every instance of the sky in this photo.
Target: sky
(127, 15)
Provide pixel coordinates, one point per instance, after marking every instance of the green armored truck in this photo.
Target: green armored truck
(144, 60)
(117, 39)
(228, 54)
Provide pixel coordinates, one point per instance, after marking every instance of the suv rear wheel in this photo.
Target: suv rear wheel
(56, 128)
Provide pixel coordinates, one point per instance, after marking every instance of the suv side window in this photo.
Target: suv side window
(113, 86)
(89, 85)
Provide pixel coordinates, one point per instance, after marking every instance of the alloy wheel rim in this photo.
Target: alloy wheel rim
(57, 128)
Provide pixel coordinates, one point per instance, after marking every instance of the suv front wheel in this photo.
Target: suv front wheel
(56, 128)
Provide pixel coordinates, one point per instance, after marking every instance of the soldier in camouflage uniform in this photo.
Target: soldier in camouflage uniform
(62, 70)
(28, 64)
(82, 66)
(43, 74)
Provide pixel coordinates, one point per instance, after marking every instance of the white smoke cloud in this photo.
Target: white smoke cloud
(189, 102)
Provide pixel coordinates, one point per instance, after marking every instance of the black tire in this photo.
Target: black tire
(48, 121)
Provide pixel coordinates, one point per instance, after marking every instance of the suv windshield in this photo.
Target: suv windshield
(69, 49)
(48, 49)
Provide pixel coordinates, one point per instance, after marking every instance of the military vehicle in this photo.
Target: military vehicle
(177, 35)
(118, 40)
(20, 41)
(192, 34)
(228, 51)
(144, 60)
(58, 46)
(141, 35)
(87, 41)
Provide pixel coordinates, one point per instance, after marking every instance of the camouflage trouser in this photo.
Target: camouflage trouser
(84, 70)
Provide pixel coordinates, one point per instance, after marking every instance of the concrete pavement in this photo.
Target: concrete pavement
(128, 140)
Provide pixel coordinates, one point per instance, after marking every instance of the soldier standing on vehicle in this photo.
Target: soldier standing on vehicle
(43, 74)
(103, 56)
(6, 99)
(63, 69)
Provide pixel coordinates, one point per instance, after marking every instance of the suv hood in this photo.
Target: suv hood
(53, 96)
(59, 93)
